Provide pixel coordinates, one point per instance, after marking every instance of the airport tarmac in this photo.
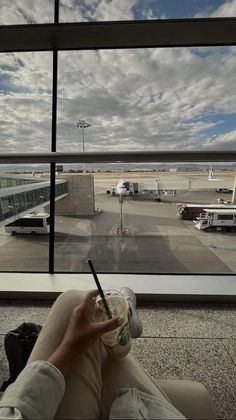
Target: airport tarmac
(156, 240)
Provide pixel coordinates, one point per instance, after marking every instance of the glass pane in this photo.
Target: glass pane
(147, 218)
(16, 12)
(25, 105)
(108, 10)
(147, 99)
(24, 205)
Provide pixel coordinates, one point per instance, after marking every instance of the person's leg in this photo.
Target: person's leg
(191, 398)
(84, 387)
(125, 373)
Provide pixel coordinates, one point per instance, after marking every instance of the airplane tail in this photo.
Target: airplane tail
(210, 174)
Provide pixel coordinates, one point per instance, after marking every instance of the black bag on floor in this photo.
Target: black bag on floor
(18, 345)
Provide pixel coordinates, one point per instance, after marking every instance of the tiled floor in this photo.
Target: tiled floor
(182, 341)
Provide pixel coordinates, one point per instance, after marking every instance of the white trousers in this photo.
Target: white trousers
(91, 386)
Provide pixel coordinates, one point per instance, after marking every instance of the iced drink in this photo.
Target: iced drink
(117, 342)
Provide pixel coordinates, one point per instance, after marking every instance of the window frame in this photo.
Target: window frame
(57, 37)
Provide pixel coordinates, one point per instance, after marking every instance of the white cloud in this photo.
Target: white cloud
(140, 99)
(228, 9)
(223, 141)
(146, 99)
(25, 101)
(96, 10)
(14, 12)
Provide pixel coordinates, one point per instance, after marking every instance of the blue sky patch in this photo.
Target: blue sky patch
(223, 123)
(176, 9)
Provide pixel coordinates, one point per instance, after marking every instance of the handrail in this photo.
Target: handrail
(119, 34)
(120, 157)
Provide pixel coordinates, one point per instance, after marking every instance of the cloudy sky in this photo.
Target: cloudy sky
(140, 99)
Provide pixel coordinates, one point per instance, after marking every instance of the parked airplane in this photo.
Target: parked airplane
(130, 189)
(164, 186)
(127, 188)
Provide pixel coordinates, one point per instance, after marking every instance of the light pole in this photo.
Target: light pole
(83, 124)
(120, 230)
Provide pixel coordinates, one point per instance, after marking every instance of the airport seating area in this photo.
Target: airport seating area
(182, 341)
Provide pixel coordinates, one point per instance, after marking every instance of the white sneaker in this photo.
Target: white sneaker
(136, 327)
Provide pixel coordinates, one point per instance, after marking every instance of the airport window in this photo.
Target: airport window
(25, 106)
(7, 205)
(147, 99)
(136, 225)
(27, 193)
(119, 98)
(19, 203)
(30, 199)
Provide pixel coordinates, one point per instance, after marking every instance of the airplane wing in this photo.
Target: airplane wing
(149, 191)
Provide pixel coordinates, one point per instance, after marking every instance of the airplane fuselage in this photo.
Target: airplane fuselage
(124, 188)
(130, 188)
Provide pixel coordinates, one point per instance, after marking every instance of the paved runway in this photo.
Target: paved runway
(156, 240)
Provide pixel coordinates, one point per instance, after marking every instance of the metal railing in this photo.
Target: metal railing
(123, 156)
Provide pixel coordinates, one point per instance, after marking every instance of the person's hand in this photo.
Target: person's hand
(82, 330)
(81, 333)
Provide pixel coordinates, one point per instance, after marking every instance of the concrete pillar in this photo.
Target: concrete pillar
(80, 200)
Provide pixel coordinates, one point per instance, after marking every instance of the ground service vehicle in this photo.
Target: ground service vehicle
(217, 219)
(192, 211)
(30, 223)
(223, 190)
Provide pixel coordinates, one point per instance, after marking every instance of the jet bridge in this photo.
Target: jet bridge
(175, 184)
(18, 198)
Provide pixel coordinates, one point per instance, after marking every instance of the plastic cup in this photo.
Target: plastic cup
(117, 342)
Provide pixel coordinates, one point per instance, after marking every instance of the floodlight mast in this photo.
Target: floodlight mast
(83, 124)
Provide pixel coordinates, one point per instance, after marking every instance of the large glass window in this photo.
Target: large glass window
(107, 10)
(24, 249)
(142, 218)
(25, 102)
(129, 218)
(147, 99)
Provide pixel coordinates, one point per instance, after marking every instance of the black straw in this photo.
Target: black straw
(100, 289)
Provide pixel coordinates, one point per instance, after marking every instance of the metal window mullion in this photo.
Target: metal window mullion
(52, 219)
(56, 11)
(118, 157)
(53, 164)
(121, 34)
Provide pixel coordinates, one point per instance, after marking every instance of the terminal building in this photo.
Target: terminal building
(19, 195)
